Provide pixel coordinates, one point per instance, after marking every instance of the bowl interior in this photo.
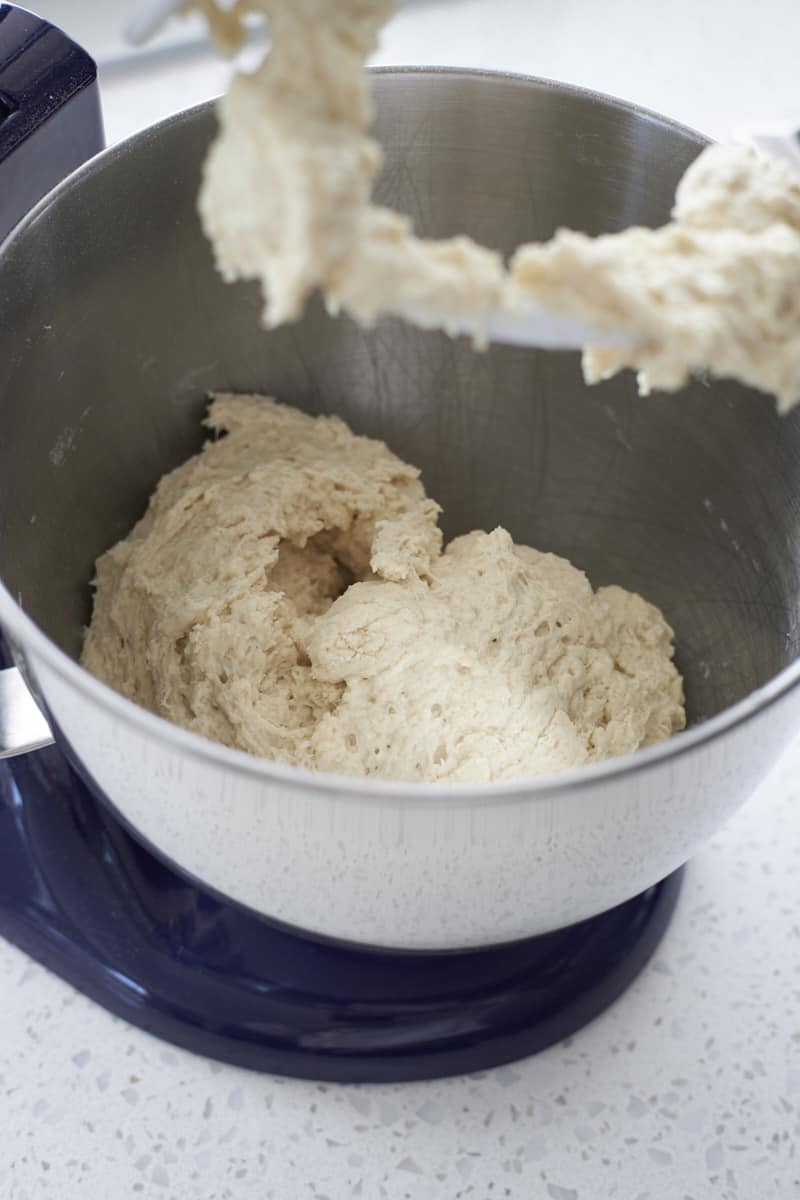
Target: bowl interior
(114, 327)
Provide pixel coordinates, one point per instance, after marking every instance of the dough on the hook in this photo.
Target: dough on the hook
(286, 199)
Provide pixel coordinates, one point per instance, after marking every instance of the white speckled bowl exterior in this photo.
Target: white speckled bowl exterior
(113, 328)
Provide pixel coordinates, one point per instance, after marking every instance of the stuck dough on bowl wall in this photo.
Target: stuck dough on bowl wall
(287, 593)
(286, 200)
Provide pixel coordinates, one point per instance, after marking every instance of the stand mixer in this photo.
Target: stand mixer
(319, 926)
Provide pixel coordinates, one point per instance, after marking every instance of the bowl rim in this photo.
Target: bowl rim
(31, 639)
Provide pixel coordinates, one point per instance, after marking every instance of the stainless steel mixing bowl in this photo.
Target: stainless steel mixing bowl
(113, 329)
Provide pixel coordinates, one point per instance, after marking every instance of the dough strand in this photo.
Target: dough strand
(286, 200)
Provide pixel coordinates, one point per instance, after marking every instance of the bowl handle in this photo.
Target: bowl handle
(50, 118)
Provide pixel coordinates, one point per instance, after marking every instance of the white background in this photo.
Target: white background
(709, 63)
(690, 1086)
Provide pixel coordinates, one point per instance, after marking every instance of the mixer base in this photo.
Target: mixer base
(85, 899)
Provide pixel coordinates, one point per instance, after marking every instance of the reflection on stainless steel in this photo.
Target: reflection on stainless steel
(22, 726)
(114, 326)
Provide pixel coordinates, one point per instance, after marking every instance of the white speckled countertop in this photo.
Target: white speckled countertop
(689, 1087)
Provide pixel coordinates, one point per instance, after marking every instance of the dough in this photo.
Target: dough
(286, 592)
(286, 200)
(286, 192)
(717, 289)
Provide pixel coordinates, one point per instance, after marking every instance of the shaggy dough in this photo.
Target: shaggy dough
(287, 593)
(717, 289)
(286, 200)
(286, 191)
